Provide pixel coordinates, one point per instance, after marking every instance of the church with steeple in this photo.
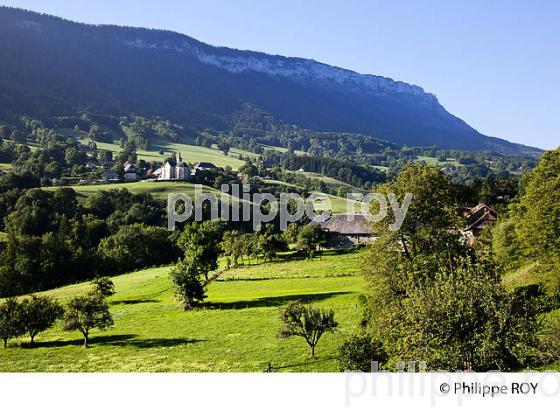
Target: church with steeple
(174, 169)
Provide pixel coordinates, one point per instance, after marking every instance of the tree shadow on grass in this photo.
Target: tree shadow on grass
(246, 279)
(158, 342)
(146, 299)
(273, 301)
(118, 340)
(103, 339)
(310, 362)
(133, 301)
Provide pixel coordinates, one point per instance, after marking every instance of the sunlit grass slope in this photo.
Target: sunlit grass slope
(236, 330)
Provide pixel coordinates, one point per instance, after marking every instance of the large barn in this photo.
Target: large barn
(347, 230)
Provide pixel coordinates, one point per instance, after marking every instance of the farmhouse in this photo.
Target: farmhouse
(347, 230)
(477, 219)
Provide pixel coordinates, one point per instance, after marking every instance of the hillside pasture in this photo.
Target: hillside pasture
(190, 153)
(436, 161)
(236, 329)
(158, 189)
(161, 190)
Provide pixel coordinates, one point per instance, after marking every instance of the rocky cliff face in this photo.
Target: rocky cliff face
(292, 68)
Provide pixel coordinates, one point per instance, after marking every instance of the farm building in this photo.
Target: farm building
(347, 230)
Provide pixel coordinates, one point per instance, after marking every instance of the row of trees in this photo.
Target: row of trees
(265, 245)
(202, 244)
(257, 246)
(36, 314)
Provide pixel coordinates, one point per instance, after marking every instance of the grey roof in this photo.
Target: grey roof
(347, 224)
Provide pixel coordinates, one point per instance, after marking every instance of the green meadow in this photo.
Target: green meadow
(157, 189)
(235, 330)
(161, 190)
(337, 205)
(436, 161)
(190, 153)
(329, 182)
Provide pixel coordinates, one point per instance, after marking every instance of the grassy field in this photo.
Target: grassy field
(190, 153)
(157, 189)
(329, 182)
(435, 161)
(236, 330)
(281, 149)
(163, 189)
(337, 204)
(523, 276)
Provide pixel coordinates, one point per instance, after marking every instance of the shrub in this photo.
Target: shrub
(358, 352)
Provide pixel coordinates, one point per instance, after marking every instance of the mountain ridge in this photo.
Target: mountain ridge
(202, 85)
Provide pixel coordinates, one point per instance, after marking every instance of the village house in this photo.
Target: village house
(347, 230)
(130, 173)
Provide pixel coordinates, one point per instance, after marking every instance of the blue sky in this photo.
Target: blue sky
(494, 64)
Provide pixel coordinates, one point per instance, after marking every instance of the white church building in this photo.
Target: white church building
(179, 171)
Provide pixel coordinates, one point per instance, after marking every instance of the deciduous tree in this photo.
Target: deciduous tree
(84, 313)
(38, 314)
(103, 287)
(10, 320)
(187, 279)
(307, 322)
(310, 239)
